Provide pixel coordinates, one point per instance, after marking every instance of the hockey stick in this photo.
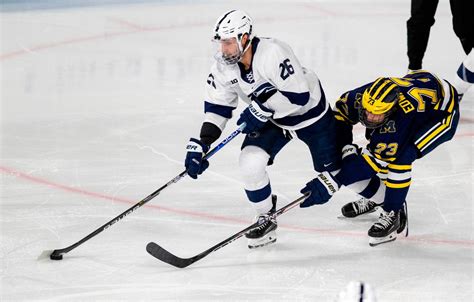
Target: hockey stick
(58, 254)
(160, 253)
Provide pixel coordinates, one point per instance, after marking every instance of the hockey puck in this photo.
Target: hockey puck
(54, 256)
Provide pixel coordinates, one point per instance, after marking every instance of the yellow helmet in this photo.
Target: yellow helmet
(379, 98)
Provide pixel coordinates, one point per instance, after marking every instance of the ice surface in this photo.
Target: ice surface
(97, 104)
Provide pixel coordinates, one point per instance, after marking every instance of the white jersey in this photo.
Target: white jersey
(276, 79)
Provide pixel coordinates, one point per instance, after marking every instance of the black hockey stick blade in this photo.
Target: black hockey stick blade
(158, 252)
(161, 254)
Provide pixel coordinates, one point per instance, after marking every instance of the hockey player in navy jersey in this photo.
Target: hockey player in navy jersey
(405, 119)
(284, 100)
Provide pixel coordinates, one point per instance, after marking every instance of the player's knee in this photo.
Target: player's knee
(252, 162)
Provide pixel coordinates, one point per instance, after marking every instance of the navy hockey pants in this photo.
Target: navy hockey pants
(320, 137)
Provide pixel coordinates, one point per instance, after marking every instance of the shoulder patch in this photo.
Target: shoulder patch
(210, 80)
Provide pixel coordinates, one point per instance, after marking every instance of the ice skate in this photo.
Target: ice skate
(389, 226)
(265, 233)
(359, 207)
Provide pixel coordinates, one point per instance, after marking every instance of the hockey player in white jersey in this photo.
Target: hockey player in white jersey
(285, 100)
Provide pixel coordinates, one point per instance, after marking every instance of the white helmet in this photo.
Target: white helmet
(233, 24)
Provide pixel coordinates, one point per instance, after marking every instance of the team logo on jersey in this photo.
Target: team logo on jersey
(210, 80)
(249, 77)
(388, 127)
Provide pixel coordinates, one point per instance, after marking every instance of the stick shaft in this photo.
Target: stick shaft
(160, 253)
(148, 198)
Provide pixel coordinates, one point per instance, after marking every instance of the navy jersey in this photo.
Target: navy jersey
(427, 110)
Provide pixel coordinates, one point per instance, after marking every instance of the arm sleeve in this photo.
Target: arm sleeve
(287, 83)
(347, 115)
(344, 123)
(220, 98)
(209, 133)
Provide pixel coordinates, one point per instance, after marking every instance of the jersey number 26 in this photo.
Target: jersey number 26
(286, 69)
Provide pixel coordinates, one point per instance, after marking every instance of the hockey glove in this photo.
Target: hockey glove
(194, 162)
(255, 116)
(349, 151)
(322, 188)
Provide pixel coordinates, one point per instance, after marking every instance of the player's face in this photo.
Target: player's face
(229, 47)
(374, 118)
(228, 51)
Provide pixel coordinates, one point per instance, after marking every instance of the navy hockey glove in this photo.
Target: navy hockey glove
(255, 116)
(322, 188)
(194, 163)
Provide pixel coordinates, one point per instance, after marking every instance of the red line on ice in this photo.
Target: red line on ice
(34, 179)
(38, 180)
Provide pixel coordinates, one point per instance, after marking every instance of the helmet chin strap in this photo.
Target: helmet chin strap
(244, 49)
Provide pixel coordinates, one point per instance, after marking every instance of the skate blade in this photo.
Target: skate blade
(373, 241)
(261, 242)
(403, 231)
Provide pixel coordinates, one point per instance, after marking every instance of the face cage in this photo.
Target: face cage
(372, 125)
(227, 60)
(232, 59)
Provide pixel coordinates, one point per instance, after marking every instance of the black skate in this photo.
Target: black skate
(359, 207)
(389, 225)
(265, 233)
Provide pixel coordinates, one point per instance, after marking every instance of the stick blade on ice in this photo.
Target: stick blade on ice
(160, 253)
